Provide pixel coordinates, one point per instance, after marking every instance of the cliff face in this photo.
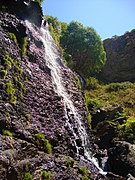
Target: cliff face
(120, 65)
(32, 114)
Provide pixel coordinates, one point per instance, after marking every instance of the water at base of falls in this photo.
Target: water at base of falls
(51, 57)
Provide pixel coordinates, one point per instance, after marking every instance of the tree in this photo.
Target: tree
(85, 48)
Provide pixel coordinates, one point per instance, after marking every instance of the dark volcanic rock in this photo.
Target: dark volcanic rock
(120, 65)
(24, 9)
(122, 158)
(104, 124)
(30, 105)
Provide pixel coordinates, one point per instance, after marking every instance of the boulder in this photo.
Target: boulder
(122, 158)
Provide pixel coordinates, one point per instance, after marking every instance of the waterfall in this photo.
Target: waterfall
(53, 59)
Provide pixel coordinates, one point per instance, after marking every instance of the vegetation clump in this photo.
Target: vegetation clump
(119, 86)
(27, 176)
(11, 92)
(3, 73)
(77, 80)
(84, 174)
(69, 163)
(46, 175)
(27, 116)
(126, 131)
(13, 36)
(41, 140)
(15, 87)
(8, 133)
(24, 46)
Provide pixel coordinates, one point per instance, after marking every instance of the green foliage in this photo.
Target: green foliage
(47, 145)
(119, 86)
(7, 60)
(10, 62)
(91, 83)
(46, 175)
(24, 46)
(8, 133)
(27, 116)
(77, 80)
(133, 30)
(27, 176)
(85, 47)
(88, 118)
(84, 174)
(69, 163)
(108, 95)
(11, 92)
(39, 1)
(56, 28)
(40, 136)
(126, 131)
(3, 73)
(13, 36)
(92, 102)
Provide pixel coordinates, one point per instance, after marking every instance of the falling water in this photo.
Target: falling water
(52, 58)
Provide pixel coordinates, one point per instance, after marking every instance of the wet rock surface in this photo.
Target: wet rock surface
(30, 106)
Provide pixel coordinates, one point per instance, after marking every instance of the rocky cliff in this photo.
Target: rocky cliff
(120, 51)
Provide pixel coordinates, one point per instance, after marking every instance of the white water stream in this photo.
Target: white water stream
(52, 59)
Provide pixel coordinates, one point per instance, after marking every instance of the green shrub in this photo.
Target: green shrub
(77, 80)
(119, 86)
(11, 92)
(27, 176)
(88, 118)
(126, 131)
(82, 170)
(69, 163)
(47, 146)
(84, 173)
(24, 46)
(40, 136)
(7, 60)
(27, 116)
(91, 83)
(93, 103)
(13, 36)
(46, 175)
(8, 133)
(3, 73)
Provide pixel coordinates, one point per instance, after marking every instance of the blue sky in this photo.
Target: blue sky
(107, 17)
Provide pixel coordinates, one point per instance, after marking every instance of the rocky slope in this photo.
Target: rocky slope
(120, 51)
(35, 141)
